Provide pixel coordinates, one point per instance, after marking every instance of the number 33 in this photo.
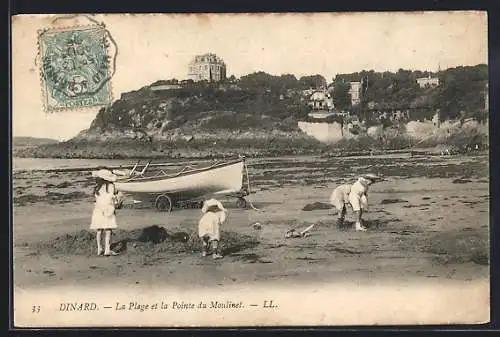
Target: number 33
(35, 309)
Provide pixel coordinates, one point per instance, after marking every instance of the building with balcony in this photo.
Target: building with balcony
(321, 100)
(428, 82)
(207, 67)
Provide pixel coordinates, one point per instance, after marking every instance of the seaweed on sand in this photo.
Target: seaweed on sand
(148, 240)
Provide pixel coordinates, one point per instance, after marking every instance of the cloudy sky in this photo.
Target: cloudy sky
(153, 47)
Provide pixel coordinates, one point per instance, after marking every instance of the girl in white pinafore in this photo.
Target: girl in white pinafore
(104, 216)
(214, 215)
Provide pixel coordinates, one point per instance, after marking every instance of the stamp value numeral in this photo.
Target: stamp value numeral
(35, 309)
(75, 68)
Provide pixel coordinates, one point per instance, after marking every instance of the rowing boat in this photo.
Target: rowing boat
(219, 178)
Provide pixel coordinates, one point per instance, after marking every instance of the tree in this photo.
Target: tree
(232, 79)
(288, 81)
(341, 97)
(259, 81)
(314, 82)
(462, 89)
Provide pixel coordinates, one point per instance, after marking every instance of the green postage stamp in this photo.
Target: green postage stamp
(75, 68)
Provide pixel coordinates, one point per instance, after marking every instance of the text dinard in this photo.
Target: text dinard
(141, 307)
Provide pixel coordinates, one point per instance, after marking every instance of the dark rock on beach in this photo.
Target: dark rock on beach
(316, 205)
(461, 181)
(392, 201)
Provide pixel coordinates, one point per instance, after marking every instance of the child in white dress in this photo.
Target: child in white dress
(214, 215)
(104, 215)
(356, 195)
(339, 199)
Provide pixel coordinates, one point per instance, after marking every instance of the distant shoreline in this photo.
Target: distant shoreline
(257, 144)
(143, 151)
(330, 154)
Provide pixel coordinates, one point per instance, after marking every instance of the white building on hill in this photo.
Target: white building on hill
(208, 67)
(321, 100)
(428, 82)
(355, 92)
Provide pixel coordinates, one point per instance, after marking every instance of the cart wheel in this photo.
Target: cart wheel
(119, 205)
(164, 203)
(244, 191)
(241, 203)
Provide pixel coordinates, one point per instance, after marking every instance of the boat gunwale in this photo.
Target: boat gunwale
(179, 174)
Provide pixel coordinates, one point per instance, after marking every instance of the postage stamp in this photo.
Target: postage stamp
(75, 68)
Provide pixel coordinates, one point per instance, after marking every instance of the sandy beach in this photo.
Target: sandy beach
(428, 220)
(424, 258)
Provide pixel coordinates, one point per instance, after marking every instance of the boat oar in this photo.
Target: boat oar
(134, 168)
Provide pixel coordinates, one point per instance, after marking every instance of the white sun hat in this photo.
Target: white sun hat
(105, 175)
(212, 203)
(371, 176)
(123, 173)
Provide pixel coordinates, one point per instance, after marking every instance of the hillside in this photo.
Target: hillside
(258, 114)
(461, 91)
(165, 113)
(31, 141)
(191, 121)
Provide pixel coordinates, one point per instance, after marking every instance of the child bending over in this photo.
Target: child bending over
(214, 215)
(355, 195)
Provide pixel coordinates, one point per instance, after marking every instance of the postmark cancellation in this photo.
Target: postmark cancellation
(75, 67)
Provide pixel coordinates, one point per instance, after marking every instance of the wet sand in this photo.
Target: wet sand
(428, 221)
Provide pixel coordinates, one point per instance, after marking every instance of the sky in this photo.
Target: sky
(151, 47)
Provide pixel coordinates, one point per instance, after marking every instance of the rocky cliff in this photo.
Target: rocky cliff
(191, 121)
(149, 114)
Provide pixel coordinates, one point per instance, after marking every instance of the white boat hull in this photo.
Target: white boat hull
(222, 178)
